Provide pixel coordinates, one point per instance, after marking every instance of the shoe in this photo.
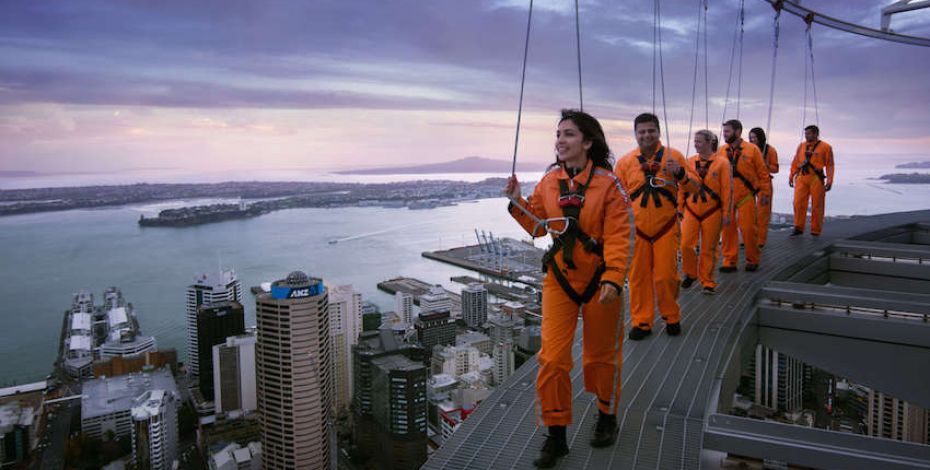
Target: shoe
(673, 329)
(638, 333)
(751, 267)
(797, 232)
(727, 269)
(815, 235)
(553, 449)
(687, 282)
(709, 291)
(761, 246)
(605, 430)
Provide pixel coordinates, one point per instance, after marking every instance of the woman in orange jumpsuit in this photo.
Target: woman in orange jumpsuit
(811, 177)
(705, 212)
(585, 270)
(654, 173)
(764, 211)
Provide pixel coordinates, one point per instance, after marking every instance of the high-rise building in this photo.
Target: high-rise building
(403, 306)
(107, 402)
(155, 429)
(389, 399)
(345, 321)
(455, 360)
(435, 328)
(293, 357)
(436, 300)
(215, 323)
(501, 329)
(503, 361)
(207, 289)
(891, 418)
(778, 380)
(234, 374)
(474, 305)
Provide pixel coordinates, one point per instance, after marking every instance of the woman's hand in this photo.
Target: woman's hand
(609, 293)
(512, 190)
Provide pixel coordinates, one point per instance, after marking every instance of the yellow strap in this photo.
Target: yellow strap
(742, 201)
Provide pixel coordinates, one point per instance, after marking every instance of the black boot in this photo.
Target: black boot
(605, 431)
(637, 333)
(553, 449)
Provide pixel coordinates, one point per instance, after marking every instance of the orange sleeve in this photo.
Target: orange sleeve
(535, 206)
(797, 162)
(772, 157)
(726, 188)
(829, 163)
(763, 181)
(617, 215)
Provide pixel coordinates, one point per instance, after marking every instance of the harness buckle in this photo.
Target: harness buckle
(571, 200)
(657, 182)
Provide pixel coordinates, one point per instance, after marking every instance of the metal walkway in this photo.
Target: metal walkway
(671, 410)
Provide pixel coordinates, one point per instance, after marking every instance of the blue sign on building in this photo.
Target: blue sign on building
(286, 292)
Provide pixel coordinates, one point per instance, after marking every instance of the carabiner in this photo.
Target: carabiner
(657, 182)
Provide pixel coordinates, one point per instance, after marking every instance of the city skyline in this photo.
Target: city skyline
(329, 85)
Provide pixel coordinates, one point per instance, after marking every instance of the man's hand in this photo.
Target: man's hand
(608, 293)
(828, 186)
(512, 189)
(726, 220)
(672, 167)
(764, 200)
(791, 181)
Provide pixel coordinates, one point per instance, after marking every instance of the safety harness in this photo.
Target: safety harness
(703, 193)
(650, 187)
(808, 167)
(653, 187)
(571, 200)
(734, 154)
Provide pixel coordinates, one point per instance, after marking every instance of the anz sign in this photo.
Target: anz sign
(285, 292)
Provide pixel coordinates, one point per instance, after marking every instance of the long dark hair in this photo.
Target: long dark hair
(761, 142)
(592, 131)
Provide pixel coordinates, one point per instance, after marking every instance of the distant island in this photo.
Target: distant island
(914, 165)
(907, 178)
(254, 198)
(462, 165)
(17, 174)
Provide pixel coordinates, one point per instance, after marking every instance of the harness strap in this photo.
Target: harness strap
(700, 218)
(566, 286)
(646, 190)
(734, 155)
(745, 199)
(809, 167)
(662, 231)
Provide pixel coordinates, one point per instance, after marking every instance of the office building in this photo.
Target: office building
(215, 323)
(293, 356)
(345, 321)
(207, 289)
(234, 375)
(475, 305)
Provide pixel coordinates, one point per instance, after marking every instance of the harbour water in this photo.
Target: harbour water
(46, 257)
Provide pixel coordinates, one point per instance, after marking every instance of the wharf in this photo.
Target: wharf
(498, 290)
(514, 260)
(416, 288)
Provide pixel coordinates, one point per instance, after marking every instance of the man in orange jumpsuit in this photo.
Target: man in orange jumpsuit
(653, 174)
(705, 212)
(585, 271)
(764, 211)
(811, 177)
(750, 176)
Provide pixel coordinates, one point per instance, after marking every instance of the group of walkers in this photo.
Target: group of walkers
(592, 208)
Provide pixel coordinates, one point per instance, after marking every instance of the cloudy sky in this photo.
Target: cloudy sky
(227, 84)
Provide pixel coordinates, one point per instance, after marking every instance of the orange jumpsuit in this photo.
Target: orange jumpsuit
(764, 212)
(654, 271)
(750, 175)
(605, 217)
(809, 182)
(703, 217)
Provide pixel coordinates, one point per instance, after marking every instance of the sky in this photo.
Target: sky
(332, 84)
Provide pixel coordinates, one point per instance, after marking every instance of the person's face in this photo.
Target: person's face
(570, 144)
(701, 144)
(647, 134)
(753, 139)
(729, 134)
(810, 135)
